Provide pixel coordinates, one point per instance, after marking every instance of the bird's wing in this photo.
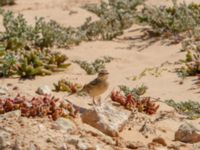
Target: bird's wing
(87, 87)
(94, 82)
(91, 84)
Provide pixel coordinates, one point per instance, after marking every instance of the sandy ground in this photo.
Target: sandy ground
(129, 60)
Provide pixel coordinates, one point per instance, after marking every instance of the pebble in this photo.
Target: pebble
(43, 90)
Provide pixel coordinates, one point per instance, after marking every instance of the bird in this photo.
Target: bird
(97, 86)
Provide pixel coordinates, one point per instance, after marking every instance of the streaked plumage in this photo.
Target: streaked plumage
(98, 86)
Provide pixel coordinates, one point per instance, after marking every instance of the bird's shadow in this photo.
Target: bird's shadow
(81, 109)
(147, 38)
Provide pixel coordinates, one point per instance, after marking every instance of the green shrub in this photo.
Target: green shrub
(42, 34)
(25, 48)
(94, 67)
(135, 92)
(171, 20)
(191, 63)
(115, 16)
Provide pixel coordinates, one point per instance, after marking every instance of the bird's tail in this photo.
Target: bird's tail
(70, 94)
(77, 93)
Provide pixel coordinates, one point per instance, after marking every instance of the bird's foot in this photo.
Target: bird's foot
(99, 102)
(90, 104)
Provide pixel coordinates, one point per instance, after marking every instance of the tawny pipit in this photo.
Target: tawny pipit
(98, 86)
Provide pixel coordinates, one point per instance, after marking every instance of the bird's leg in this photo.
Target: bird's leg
(99, 100)
(93, 99)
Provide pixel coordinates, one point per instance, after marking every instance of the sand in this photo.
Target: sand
(129, 60)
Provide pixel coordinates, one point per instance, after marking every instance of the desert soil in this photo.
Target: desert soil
(131, 56)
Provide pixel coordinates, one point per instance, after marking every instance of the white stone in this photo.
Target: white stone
(5, 138)
(41, 127)
(64, 124)
(79, 143)
(83, 145)
(17, 145)
(161, 148)
(73, 140)
(44, 90)
(107, 139)
(3, 90)
(107, 118)
(11, 114)
(32, 147)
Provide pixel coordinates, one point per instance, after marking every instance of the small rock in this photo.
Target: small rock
(12, 114)
(44, 90)
(15, 88)
(107, 118)
(32, 147)
(73, 140)
(98, 147)
(8, 129)
(17, 145)
(97, 133)
(159, 140)
(64, 147)
(9, 84)
(187, 133)
(160, 148)
(134, 145)
(49, 140)
(41, 127)
(79, 143)
(4, 139)
(64, 124)
(156, 146)
(83, 145)
(3, 90)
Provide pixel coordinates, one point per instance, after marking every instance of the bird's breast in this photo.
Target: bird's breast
(98, 89)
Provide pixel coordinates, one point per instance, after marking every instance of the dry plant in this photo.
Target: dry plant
(188, 108)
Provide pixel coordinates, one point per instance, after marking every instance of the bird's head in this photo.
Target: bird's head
(103, 75)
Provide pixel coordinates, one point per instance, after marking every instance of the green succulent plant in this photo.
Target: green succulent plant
(94, 67)
(29, 63)
(188, 108)
(136, 92)
(67, 86)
